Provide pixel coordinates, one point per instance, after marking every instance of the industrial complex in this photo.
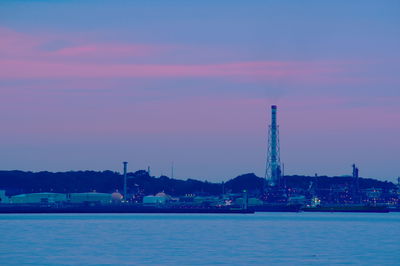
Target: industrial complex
(245, 194)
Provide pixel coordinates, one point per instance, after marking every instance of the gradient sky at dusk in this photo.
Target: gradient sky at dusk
(89, 84)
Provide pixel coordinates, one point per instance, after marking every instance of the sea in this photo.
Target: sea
(200, 239)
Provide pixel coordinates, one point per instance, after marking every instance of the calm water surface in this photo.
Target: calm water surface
(200, 239)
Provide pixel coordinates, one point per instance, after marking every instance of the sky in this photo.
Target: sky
(89, 84)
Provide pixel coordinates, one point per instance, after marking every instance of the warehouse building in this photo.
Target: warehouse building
(45, 197)
(90, 197)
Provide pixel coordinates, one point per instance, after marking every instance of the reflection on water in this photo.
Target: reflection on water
(199, 239)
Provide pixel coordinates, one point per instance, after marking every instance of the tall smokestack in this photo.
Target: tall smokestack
(356, 185)
(273, 135)
(273, 169)
(125, 171)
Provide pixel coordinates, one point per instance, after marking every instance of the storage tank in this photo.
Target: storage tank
(159, 198)
(116, 197)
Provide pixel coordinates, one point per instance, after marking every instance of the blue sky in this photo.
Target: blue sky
(99, 82)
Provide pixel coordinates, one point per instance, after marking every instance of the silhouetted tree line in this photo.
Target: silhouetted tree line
(17, 182)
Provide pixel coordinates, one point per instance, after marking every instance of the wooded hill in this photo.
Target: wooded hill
(17, 182)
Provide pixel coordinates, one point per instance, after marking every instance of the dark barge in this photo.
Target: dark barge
(131, 208)
(347, 208)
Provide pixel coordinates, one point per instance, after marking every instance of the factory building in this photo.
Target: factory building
(46, 197)
(77, 198)
(91, 197)
(250, 202)
(3, 197)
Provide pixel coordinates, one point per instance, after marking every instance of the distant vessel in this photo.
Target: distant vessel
(394, 209)
(276, 207)
(347, 208)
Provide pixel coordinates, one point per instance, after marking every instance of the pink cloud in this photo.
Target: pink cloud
(14, 44)
(14, 69)
(107, 50)
(205, 116)
(17, 46)
(22, 56)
